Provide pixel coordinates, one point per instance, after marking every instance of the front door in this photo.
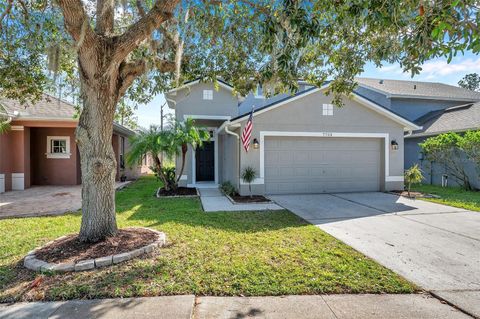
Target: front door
(205, 162)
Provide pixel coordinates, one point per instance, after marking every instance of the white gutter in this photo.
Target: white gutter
(225, 125)
(409, 133)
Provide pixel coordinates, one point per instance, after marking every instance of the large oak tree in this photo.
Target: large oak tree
(137, 48)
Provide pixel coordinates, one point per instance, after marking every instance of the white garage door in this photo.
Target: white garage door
(321, 165)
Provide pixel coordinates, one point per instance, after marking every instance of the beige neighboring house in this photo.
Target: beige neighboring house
(301, 143)
(40, 148)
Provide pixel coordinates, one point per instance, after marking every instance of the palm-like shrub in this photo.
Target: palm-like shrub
(154, 142)
(187, 133)
(413, 175)
(4, 120)
(248, 175)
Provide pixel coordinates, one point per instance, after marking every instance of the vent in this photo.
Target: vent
(381, 81)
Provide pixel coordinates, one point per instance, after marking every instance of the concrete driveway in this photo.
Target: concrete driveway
(435, 246)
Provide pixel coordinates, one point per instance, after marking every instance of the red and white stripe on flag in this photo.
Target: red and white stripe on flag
(247, 132)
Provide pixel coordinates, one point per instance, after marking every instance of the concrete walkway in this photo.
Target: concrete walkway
(43, 201)
(417, 306)
(214, 201)
(435, 246)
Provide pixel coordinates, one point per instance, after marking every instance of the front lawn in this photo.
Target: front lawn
(241, 253)
(452, 196)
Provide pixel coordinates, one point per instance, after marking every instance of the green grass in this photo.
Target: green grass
(234, 253)
(452, 196)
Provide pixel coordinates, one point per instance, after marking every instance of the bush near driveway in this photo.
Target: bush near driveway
(452, 196)
(234, 253)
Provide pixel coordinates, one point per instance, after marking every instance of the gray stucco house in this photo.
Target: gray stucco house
(305, 144)
(437, 108)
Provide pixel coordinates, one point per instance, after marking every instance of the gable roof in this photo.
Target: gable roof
(457, 119)
(419, 90)
(222, 83)
(357, 97)
(49, 108)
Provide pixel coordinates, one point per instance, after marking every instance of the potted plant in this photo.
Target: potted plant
(248, 175)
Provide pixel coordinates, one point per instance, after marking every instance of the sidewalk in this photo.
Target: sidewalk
(418, 306)
(214, 201)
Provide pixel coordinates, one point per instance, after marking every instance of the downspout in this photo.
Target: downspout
(239, 151)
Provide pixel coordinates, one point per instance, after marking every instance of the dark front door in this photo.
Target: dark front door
(205, 166)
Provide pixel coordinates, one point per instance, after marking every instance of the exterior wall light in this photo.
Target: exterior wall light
(394, 145)
(256, 145)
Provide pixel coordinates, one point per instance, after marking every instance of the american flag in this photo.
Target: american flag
(247, 132)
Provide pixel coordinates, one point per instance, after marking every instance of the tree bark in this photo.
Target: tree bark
(98, 163)
(184, 153)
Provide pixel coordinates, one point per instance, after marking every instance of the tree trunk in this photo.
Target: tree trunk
(184, 153)
(98, 164)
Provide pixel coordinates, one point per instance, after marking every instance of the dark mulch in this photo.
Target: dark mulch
(180, 191)
(247, 199)
(415, 194)
(71, 249)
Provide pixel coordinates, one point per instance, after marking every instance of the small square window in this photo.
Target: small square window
(58, 146)
(328, 109)
(207, 94)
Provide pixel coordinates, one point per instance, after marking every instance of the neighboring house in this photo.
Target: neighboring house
(437, 107)
(453, 119)
(40, 148)
(304, 143)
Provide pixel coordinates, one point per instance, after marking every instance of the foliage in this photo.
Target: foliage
(470, 144)
(445, 149)
(470, 82)
(155, 143)
(413, 175)
(452, 196)
(248, 175)
(188, 133)
(273, 42)
(221, 254)
(4, 120)
(167, 175)
(452, 150)
(125, 115)
(228, 188)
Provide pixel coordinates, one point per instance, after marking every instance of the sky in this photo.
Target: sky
(437, 70)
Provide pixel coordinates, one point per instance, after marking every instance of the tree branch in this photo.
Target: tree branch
(77, 22)
(130, 71)
(105, 16)
(142, 29)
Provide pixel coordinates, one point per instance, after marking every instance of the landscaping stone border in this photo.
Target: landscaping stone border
(177, 196)
(33, 263)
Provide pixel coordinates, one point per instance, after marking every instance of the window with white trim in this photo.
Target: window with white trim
(328, 109)
(58, 147)
(208, 94)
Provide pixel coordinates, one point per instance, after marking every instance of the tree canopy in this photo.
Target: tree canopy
(268, 41)
(470, 81)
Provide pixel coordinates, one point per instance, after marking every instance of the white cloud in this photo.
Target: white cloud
(442, 68)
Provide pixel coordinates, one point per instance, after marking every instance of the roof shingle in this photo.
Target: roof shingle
(458, 118)
(47, 107)
(417, 89)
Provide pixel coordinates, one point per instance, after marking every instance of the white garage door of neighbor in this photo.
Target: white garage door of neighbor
(296, 165)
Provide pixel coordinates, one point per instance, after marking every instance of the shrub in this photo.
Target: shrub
(413, 175)
(248, 175)
(228, 189)
(167, 177)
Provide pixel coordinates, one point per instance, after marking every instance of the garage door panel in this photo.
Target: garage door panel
(316, 165)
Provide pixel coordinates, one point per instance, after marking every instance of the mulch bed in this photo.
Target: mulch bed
(405, 194)
(247, 199)
(180, 191)
(71, 249)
